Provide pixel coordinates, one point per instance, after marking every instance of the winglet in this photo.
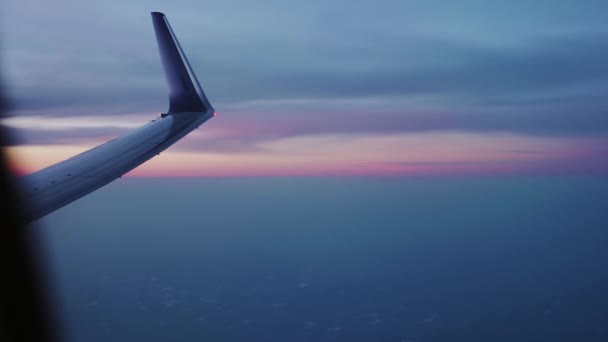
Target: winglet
(185, 93)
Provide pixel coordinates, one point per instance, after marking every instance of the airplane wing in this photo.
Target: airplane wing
(60, 184)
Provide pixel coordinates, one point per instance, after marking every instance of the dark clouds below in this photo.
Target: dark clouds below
(301, 73)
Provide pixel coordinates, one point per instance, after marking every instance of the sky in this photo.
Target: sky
(319, 88)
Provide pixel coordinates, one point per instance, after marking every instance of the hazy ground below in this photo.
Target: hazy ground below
(313, 259)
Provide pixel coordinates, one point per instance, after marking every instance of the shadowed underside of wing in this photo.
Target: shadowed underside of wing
(57, 185)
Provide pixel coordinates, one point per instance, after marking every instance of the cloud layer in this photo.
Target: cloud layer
(277, 70)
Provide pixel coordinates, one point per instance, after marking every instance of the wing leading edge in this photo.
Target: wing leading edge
(60, 184)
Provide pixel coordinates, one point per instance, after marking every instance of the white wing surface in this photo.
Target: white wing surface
(57, 185)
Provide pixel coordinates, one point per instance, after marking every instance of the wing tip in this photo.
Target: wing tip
(185, 92)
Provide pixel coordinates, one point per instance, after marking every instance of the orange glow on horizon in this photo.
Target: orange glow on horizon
(437, 153)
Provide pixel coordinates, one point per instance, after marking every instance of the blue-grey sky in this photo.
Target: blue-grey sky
(293, 69)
